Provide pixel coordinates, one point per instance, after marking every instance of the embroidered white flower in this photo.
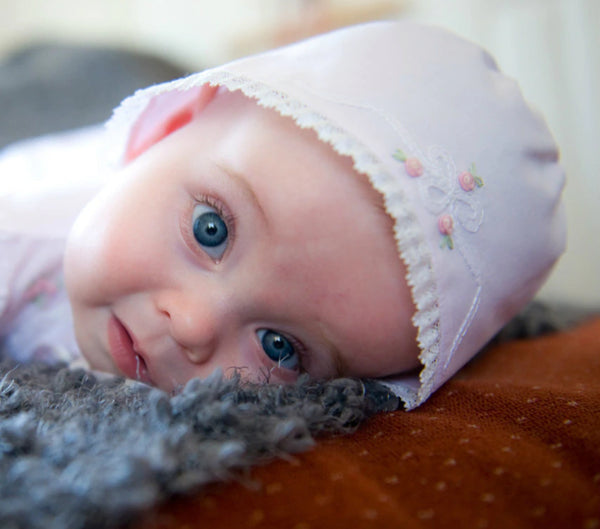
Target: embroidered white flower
(452, 203)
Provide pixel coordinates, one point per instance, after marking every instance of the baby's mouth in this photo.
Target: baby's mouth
(123, 351)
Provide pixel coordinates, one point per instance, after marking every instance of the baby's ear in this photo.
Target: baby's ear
(165, 114)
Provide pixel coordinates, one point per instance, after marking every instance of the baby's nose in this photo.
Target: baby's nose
(194, 323)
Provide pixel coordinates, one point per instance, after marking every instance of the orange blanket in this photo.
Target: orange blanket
(512, 442)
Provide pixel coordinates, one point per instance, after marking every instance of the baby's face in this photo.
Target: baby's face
(239, 241)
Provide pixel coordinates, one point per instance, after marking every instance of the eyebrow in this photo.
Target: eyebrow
(242, 183)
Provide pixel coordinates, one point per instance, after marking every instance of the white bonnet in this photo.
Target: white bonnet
(467, 170)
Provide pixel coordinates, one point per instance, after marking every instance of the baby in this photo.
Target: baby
(374, 202)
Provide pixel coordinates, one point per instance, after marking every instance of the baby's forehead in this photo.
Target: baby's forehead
(223, 111)
(270, 124)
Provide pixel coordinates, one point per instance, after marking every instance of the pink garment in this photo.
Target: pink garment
(43, 185)
(468, 172)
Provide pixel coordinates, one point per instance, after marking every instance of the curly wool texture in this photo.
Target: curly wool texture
(77, 451)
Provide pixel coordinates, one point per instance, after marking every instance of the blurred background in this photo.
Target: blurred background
(551, 46)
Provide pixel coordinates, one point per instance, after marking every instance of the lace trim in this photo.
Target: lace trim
(451, 196)
(409, 237)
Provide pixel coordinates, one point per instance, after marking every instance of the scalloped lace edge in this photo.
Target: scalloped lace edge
(410, 240)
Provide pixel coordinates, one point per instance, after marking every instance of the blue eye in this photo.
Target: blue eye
(278, 348)
(210, 230)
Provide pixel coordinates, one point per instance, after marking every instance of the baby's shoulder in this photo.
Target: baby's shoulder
(53, 160)
(46, 181)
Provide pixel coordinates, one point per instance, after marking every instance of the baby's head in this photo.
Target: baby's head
(243, 241)
(358, 204)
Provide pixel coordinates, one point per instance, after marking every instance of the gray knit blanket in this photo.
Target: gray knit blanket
(77, 451)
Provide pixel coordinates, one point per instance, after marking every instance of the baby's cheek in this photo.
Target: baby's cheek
(96, 267)
(376, 334)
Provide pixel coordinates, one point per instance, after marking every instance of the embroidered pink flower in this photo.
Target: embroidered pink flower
(412, 165)
(468, 180)
(40, 288)
(446, 227)
(445, 224)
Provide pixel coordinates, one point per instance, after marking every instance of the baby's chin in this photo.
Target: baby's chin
(96, 362)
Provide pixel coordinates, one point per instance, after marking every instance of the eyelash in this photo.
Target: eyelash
(222, 210)
(299, 349)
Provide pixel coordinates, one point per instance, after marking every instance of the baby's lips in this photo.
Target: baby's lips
(122, 349)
